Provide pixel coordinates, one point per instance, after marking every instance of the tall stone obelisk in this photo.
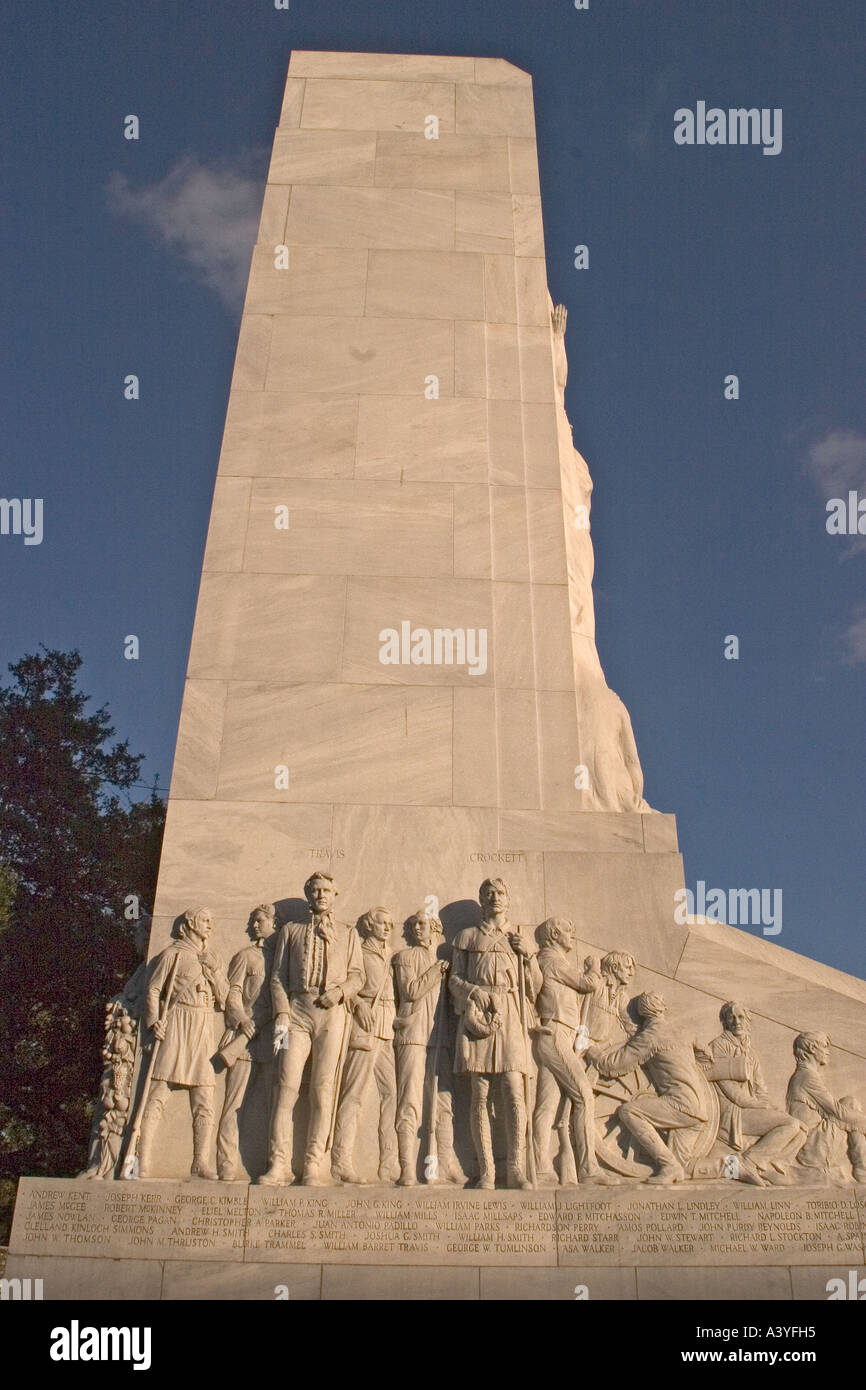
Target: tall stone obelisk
(393, 678)
(397, 465)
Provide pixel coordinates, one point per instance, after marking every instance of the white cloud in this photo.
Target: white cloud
(207, 214)
(854, 640)
(838, 462)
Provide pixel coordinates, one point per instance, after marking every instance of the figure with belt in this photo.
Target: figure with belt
(318, 971)
(494, 980)
(370, 1054)
(185, 1034)
(247, 1044)
(676, 1106)
(561, 1072)
(422, 1045)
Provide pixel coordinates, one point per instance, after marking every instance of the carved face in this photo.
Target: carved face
(821, 1051)
(566, 933)
(737, 1020)
(261, 926)
(202, 926)
(381, 927)
(321, 895)
(495, 899)
(623, 972)
(422, 931)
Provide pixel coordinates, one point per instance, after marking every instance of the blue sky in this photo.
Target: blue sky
(709, 515)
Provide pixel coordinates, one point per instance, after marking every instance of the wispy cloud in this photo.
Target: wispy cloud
(854, 639)
(206, 214)
(836, 464)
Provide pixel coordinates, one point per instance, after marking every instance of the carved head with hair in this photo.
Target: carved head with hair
(812, 1047)
(735, 1019)
(320, 892)
(378, 923)
(195, 920)
(423, 925)
(494, 894)
(650, 1006)
(262, 920)
(618, 965)
(557, 931)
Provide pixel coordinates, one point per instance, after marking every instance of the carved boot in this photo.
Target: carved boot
(389, 1167)
(146, 1138)
(546, 1173)
(202, 1128)
(668, 1168)
(407, 1147)
(342, 1165)
(515, 1119)
(479, 1124)
(450, 1170)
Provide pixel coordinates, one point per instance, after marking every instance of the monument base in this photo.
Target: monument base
(90, 1240)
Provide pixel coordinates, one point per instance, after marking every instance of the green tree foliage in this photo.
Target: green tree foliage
(70, 853)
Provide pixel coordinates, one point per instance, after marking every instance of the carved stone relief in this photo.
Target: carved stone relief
(506, 1022)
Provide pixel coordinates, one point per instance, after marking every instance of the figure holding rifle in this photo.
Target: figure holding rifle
(188, 983)
(494, 982)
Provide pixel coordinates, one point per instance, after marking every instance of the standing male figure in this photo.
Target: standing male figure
(247, 1044)
(745, 1112)
(317, 973)
(485, 983)
(604, 1011)
(370, 1054)
(678, 1105)
(422, 1044)
(833, 1126)
(185, 1035)
(560, 1068)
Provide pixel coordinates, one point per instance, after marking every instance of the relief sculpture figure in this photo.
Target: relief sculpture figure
(246, 1047)
(318, 971)
(494, 981)
(561, 1072)
(678, 1104)
(370, 1054)
(423, 1046)
(187, 984)
(731, 1063)
(836, 1129)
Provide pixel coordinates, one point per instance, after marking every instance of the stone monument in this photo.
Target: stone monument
(437, 1030)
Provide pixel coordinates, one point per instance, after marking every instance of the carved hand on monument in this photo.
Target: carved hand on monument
(159, 1029)
(281, 1031)
(363, 1014)
(330, 998)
